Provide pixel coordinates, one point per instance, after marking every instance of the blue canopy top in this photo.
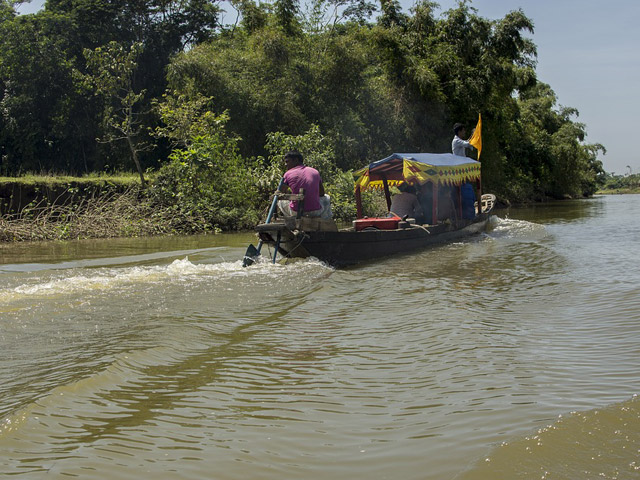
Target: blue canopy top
(433, 159)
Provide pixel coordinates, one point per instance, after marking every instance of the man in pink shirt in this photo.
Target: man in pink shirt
(297, 176)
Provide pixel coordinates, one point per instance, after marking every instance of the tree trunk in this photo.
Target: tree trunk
(134, 155)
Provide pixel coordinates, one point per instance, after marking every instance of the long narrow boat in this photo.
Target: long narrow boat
(371, 238)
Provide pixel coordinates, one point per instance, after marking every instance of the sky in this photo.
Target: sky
(589, 53)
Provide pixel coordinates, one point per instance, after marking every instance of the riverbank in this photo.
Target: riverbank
(18, 193)
(111, 215)
(175, 201)
(40, 208)
(47, 207)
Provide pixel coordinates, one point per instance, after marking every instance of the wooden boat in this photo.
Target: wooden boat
(372, 238)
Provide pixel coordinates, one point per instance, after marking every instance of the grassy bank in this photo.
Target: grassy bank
(44, 207)
(18, 193)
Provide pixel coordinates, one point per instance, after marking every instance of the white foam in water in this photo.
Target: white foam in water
(512, 228)
(178, 270)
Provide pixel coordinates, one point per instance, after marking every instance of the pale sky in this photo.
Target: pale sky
(588, 51)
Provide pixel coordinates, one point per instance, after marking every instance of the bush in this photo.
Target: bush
(208, 184)
(343, 203)
(313, 145)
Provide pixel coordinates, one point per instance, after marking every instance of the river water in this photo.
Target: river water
(513, 354)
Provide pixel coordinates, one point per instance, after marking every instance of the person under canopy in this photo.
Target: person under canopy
(406, 203)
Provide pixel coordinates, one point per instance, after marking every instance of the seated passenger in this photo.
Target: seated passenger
(425, 197)
(298, 176)
(406, 203)
(446, 203)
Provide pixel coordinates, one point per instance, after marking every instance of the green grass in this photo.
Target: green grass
(125, 179)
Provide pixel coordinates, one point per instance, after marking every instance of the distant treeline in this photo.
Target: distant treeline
(621, 183)
(96, 85)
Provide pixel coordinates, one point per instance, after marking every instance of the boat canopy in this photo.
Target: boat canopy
(440, 168)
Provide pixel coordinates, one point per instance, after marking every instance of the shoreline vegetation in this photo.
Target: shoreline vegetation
(619, 191)
(619, 184)
(202, 111)
(49, 207)
(42, 208)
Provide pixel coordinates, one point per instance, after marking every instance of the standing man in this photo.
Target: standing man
(297, 176)
(458, 145)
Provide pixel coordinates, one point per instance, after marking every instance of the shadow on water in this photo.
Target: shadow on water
(565, 211)
(166, 387)
(74, 250)
(209, 350)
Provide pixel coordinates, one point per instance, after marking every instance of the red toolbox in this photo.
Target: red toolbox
(387, 223)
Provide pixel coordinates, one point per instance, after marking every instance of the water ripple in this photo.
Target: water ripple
(413, 367)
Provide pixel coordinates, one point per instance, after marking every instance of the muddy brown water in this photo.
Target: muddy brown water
(513, 354)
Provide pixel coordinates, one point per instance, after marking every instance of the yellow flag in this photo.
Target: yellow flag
(476, 138)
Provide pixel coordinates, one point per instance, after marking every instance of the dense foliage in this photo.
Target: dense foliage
(95, 85)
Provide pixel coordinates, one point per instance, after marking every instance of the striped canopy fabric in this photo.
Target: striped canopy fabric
(418, 168)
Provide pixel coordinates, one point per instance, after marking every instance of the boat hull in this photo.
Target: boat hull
(348, 247)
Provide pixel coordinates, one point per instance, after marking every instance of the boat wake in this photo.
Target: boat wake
(82, 280)
(513, 229)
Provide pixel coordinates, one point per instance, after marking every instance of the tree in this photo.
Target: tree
(286, 16)
(391, 14)
(42, 120)
(112, 76)
(46, 122)
(394, 84)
